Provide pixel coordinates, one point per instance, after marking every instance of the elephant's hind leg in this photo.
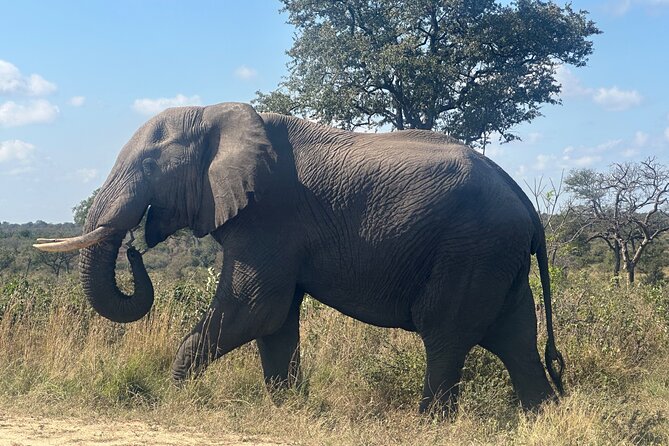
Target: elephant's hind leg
(441, 386)
(280, 351)
(513, 338)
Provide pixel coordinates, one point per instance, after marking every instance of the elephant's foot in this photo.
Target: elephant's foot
(282, 390)
(441, 387)
(190, 360)
(281, 383)
(442, 406)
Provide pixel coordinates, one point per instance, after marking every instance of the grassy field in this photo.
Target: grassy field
(362, 384)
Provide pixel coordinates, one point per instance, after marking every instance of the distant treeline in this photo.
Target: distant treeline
(182, 253)
(176, 257)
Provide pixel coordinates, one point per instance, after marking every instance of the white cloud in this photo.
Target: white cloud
(494, 151)
(612, 99)
(16, 150)
(13, 114)
(245, 73)
(622, 7)
(77, 101)
(630, 152)
(640, 138)
(615, 99)
(571, 85)
(86, 175)
(666, 133)
(533, 137)
(38, 86)
(543, 161)
(605, 146)
(148, 106)
(13, 82)
(579, 157)
(585, 161)
(641, 141)
(20, 170)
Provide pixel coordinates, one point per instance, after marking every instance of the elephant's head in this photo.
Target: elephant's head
(193, 167)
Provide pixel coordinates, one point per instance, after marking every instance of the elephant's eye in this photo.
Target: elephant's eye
(150, 167)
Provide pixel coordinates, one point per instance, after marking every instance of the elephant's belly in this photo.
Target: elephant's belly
(380, 308)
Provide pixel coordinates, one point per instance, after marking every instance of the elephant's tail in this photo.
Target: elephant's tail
(552, 355)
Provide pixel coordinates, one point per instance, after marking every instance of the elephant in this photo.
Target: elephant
(408, 229)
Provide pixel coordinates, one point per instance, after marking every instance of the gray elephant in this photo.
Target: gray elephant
(408, 229)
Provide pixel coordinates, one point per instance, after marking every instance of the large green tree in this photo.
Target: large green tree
(469, 68)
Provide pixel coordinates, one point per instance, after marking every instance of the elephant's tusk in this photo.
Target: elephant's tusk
(70, 244)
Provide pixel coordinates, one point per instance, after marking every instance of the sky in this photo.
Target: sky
(78, 77)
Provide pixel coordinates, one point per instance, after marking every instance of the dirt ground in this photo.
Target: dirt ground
(33, 431)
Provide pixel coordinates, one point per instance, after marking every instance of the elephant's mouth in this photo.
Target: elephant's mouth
(70, 244)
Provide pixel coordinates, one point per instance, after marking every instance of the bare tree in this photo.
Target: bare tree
(57, 261)
(626, 207)
(562, 221)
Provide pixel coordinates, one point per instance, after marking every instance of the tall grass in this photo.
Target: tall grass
(361, 383)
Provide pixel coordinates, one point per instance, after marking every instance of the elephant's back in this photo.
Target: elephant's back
(386, 185)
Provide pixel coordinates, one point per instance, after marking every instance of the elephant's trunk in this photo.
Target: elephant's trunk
(97, 271)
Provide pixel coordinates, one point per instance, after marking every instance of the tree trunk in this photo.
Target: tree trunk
(616, 259)
(630, 271)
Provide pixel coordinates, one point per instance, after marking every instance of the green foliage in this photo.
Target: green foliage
(17, 256)
(19, 297)
(468, 68)
(396, 373)
(558, 276)
(80, 211)
(654, 262)
(135, 382)
(657, 296)
(6, 258)
(611, 333)
(178, 257)
(276, 102)
(191, 300)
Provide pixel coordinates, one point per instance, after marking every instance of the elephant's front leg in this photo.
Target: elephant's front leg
(210, 339)
(249, 304)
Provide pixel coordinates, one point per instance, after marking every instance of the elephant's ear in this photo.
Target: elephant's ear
(238, 163)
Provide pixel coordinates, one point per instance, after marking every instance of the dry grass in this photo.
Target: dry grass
(362, 383)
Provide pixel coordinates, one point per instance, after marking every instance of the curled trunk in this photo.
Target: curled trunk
(97, 271)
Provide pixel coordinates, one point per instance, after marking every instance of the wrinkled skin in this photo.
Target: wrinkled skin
(407, 229)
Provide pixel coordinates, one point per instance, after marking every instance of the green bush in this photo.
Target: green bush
(395, 373)
(139, 380)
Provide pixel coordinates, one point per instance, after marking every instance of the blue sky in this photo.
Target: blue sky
(77, 78)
